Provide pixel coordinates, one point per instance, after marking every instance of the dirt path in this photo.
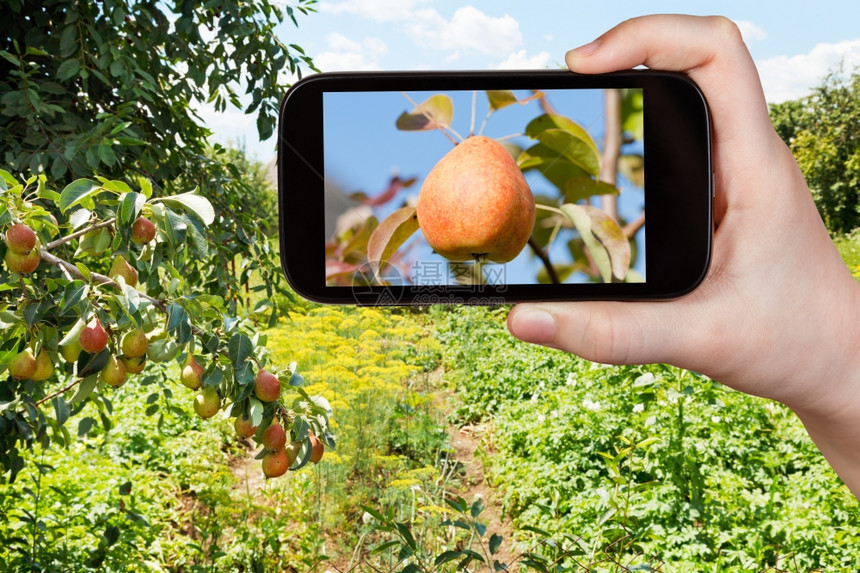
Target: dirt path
(466, 441)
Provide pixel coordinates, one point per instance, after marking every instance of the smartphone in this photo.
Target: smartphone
(489, 187)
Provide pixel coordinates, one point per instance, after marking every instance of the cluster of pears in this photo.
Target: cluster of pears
(22, 254)
(23, 257)
(93, 338)
(29, 366)
(280, 454)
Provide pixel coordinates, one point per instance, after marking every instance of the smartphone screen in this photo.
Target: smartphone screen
(495, 187)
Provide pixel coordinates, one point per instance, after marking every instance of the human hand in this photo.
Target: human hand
(778, 313)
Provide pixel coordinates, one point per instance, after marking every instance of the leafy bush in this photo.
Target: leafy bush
(822, 132)
(489, 365)
(651, 464)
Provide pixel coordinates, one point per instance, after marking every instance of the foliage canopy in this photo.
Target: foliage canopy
(823, 132)
(112, 86)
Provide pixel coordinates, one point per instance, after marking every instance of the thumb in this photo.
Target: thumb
(607, 332)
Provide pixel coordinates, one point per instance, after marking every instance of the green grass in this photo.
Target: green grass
(649, 464)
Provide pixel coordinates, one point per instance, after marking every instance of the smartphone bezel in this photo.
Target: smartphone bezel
(678, 182)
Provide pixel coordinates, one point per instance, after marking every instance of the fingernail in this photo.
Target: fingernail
(583, 51)
(533, 325)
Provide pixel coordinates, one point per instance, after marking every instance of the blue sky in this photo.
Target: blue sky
(794, 43)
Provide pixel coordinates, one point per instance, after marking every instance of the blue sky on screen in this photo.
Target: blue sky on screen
(794, 42)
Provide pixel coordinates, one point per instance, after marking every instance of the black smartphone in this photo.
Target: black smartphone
(489, 187)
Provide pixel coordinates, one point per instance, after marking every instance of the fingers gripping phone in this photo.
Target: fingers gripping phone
(493, 187)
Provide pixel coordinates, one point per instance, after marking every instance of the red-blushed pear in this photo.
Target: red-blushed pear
(134, 343)
(276, 463)
(243, 427)
(93, 337)
(293, 449)
(191, 373)
(267, 387)
(274, 437)
(207, 402)
(44, 366)
(133, 365)
(113, 374)
(22, 264)
(20, 238)
(317, 448)
(122, 268)
(71, 351)
(142, 230)
(22, 365)
(475, 204)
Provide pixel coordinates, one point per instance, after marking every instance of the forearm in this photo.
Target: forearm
(839, 442)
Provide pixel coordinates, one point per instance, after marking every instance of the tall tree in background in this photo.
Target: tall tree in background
(823, 132)
(110, 86)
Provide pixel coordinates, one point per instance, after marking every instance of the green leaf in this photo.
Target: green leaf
(477, 508)
(79, 218)
(541, 532)
(632, 167)
(557, 170)
(77, 191)
(406, 535)
(390, 235)
(85, 425)
(240, 350)
(8, 180)
(198, 235)
(178, 323)
(447, 556)
(193, 203)
(500, 98)
(495, 543)
(572, 148)
(255, 411)
(374, 513)
(74, 292)
(61, 409)
(383, 546)
(68, 69)
(578, 188)
(604, 239)
(89, 364)
(177, 229)
(433, 113)
(130, 207)
(632, 105)
(145, 186)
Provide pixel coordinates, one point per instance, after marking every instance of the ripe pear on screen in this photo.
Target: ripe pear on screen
(475, 204)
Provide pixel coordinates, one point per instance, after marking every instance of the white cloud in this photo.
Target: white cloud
(344, 54)
(791, 77)
(521, 61)
(379, 10)
(469, 30)
(751, 32)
